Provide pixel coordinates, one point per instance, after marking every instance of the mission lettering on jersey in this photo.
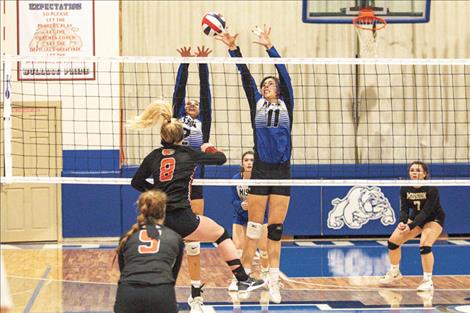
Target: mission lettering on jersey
(192, 132)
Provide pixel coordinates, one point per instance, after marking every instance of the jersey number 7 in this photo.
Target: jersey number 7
(150, 245)
(167, 168)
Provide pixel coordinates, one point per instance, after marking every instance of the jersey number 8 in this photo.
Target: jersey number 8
(167, 168)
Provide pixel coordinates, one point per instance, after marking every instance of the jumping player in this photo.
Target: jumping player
(426, 218)
(149, 257)
(271, 111)
(196, 118)
(172, 167)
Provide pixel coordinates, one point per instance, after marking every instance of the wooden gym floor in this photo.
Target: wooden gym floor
(317, 276)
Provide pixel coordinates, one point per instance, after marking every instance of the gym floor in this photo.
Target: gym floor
(316, 276)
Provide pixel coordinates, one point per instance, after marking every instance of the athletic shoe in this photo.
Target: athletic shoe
(275, 292)
(390, 277)
(426, 285)
(195, 304)
(250, 284)
(233, 285)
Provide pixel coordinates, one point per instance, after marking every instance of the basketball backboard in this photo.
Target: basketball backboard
(343, 11)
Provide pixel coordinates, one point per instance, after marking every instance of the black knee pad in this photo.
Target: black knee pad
(275, 231)
(223, 237)
(392, 246)
(425, 250)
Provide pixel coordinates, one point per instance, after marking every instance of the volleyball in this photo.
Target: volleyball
(213, 24)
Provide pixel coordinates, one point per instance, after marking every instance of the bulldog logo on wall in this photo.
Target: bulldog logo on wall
(361, 204)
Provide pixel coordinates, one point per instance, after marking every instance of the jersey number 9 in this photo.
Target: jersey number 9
(150, 245)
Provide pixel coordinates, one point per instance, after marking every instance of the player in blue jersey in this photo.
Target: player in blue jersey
(196, 118)
(240, 217)
(426, 218)
(271, 111)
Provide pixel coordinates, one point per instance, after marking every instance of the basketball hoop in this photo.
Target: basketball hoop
(367, 25)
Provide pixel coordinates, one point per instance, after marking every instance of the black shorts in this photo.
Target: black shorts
(182, 221)
(148, 299)
(263, 170)
(196, 193)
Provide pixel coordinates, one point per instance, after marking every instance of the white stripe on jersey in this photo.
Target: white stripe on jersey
(271, 114)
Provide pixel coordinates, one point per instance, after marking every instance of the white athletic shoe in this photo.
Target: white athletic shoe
(195, 304)
(275, 292)
(390, 277)
(233, 285)
(426, 285)
(427, 297)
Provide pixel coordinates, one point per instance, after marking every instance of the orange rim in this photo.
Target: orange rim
(367, 17)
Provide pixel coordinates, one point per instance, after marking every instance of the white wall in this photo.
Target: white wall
(90, 109)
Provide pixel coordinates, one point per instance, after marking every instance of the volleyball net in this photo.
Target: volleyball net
(355, 120)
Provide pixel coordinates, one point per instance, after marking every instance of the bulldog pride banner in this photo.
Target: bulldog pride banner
(56, 29)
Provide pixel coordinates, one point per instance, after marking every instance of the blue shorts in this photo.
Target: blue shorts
(240, 218)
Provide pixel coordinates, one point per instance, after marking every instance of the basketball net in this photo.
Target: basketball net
(367, 26)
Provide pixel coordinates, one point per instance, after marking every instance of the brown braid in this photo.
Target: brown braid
(152, 205)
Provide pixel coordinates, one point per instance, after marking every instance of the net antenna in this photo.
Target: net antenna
(366, 25)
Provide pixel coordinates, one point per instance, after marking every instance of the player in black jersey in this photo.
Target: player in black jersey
(149, 257)
(172, 167)
(426, 218)
(196, 118)
(271, 111)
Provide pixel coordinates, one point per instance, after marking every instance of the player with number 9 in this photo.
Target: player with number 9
(149, 257)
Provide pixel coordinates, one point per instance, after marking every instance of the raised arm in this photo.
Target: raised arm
(264, 40)
(248, 83)
(179, 93)
(205, 98)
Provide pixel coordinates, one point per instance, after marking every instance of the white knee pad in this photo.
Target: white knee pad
(193, 248)
(254, 230)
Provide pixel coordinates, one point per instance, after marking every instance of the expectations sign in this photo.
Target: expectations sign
(53, 29)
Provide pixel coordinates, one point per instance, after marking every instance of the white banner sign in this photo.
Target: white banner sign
(56, 28)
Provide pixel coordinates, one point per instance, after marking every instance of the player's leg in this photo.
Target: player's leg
(429, 235)
(193, 249)
(278, 206)
(263, 252)
(394, 253)
(257, 200)
(238, 237)
(209, 230)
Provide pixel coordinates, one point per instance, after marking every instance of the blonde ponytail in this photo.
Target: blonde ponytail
(157, 111)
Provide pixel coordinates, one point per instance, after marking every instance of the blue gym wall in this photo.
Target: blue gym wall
(109, 210)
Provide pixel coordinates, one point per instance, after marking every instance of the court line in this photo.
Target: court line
(37, 290)
(283, 277)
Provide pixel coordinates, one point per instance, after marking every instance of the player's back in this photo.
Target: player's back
(147, 261)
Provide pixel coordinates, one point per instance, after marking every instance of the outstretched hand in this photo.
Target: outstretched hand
(228, 39)
(202, 52)
(263, 36)
(185, 51)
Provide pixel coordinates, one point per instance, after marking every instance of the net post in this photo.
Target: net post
(7, 120)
